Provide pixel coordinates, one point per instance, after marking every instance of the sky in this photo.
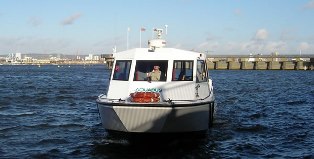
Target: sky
(224, 27)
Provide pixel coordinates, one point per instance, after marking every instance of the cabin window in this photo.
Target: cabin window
(151, 70)
(122, 70)
(182, 71)
(201, 73)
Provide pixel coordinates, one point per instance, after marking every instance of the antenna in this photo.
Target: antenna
(158, 42)
(166, 28)
(114, 49)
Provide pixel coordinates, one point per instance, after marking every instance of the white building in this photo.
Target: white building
(91, 57)
(96, 58)
(18, 56)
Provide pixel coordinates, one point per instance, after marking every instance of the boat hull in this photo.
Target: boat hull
(156, 118)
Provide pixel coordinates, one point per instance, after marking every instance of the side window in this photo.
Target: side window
(151, 70)
(201, 75)
(182, 71)
(122, 70)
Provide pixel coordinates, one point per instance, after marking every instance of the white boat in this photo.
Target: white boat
(180, 99)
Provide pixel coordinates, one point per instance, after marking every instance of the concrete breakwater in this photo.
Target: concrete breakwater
(260, 65)
(261, 62)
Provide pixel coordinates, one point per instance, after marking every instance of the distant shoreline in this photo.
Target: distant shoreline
(61, 63)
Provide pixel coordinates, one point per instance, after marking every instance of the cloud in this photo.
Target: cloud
(276, 46)
(211, 37)
(71, 19)
(287, 35)
(100, 46)
(304, 46)
(253, 46)
(35, 21)
(309, 5)
(237, 12)
(261, 34)
(259, 44)
(310, 38)
(30, 44)
(264, 47)
(211, 43)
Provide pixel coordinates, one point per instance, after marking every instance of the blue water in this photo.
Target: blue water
(50, 112)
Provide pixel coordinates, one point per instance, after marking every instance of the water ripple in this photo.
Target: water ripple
(50, 112)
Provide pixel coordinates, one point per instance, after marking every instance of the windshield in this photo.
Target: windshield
(122, 70)
(151, 70)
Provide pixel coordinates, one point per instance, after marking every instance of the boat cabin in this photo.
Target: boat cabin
(171, 72)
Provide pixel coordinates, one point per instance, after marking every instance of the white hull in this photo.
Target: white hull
(156, 119)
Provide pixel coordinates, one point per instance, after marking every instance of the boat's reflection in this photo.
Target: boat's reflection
(126, 145)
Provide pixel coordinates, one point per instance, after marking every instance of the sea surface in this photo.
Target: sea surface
(50, 112)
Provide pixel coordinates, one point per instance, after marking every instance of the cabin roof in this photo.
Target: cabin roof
(158, 54)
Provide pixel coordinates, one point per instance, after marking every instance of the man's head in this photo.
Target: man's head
(156, 67)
